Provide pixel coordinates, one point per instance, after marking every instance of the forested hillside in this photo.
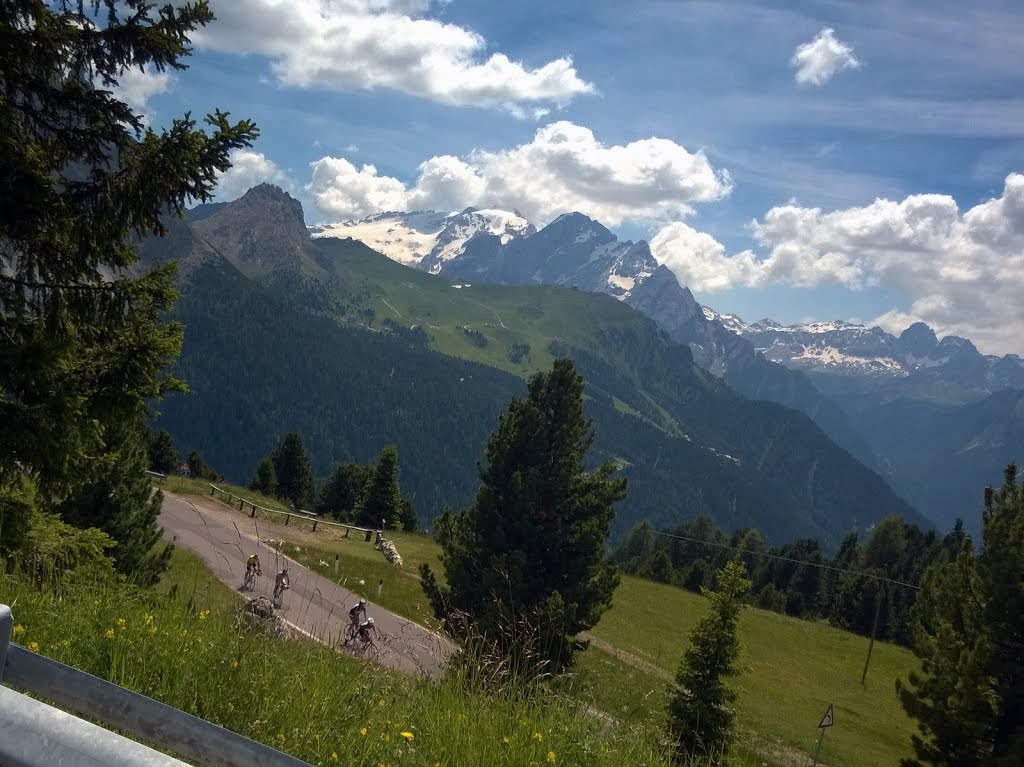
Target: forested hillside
(353, 351)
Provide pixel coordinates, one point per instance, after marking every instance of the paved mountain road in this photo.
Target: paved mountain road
(313, 604)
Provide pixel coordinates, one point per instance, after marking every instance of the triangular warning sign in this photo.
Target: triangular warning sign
(826, 721)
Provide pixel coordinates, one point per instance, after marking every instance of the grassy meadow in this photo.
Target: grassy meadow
(178, 644)
(792, 668)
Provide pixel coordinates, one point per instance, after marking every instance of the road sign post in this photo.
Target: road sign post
(826, 722)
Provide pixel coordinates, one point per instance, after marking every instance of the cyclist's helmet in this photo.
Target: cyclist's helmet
(369, 621)
(362, 602)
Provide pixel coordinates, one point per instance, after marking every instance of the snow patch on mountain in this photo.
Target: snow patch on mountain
(427, 239)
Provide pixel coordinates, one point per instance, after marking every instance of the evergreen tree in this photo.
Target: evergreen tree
(264, 480)
(968, 630)
(84, 338)
(381, 500)
(293, 470)
(700, 704)
(407, 515)
(199, 468)
(163, 457)
(532, 546)
(343, 489)
(124, 505)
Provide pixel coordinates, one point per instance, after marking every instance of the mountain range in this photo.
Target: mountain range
(850, 379)
(327, 337)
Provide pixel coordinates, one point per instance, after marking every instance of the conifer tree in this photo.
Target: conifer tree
(124, 505)
(532, 546)
(293, 471)
(264, 480)
(381, 500)
(700, 703)
(163, 457)
(343, 489)
(84, 342)
(968, 630)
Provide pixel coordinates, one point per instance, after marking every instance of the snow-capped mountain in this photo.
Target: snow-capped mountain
(848, 350)
(427, 239)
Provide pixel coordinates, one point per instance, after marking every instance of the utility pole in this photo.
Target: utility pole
(874, 632)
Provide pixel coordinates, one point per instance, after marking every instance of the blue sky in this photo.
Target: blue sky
(761, 192)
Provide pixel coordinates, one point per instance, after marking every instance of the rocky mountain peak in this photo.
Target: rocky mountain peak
(262, 231)
(918, 339)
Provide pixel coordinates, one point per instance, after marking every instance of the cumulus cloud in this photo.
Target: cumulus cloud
(249, 168)
(700, 261)
(136, 87)
(822, 58)
(962, 273)
(563, 168)
(366, 44)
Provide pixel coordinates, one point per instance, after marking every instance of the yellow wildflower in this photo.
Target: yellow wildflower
(121, 623)
(381, 702)
(551, 757)
(204, 614)
(506, 739)
(109, 633)
(407, 735)
(362, 731)
(18, 630)
(538, 737)
(280, 737)
(234, 664)
(32, 647)
(334, 756)
(184, 633)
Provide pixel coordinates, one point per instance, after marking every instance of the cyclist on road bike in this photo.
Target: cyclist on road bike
(252, 565)
(281, 583)
(353, 613)
(364, 632)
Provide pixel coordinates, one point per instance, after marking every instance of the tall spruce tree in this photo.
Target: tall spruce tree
(264, 479)
(163, 456)
(532, 546)
(700, 703)
(124, 505)
(381, 500)
(84, 340)
(343, 489)
(968, 630)
(293, 470)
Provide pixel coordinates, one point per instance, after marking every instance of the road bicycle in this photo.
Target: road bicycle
(250, 580)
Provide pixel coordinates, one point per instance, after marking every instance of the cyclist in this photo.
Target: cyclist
(353, 617)
(280, 584)
(252, 565)
(365, 629)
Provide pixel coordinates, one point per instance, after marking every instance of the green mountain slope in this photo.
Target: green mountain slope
(354, 350)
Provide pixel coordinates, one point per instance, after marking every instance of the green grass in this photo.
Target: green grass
(363, 569)
(192, 486)
(505, 315)
(177, 643)
(792, 668)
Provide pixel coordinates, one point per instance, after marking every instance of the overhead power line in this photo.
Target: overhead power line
(789, 559)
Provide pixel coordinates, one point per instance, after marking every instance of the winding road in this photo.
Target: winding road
(313, 605)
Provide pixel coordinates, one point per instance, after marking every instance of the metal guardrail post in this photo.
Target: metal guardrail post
(6, 629)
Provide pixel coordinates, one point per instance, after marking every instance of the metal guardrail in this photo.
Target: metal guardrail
(46, 736)
(288, 515)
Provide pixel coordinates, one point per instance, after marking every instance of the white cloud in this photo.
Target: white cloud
(563, 168)
(249, 168)
(136, 87)
(366, 44)
(340, 188)
(699, 260)
(822, 58)
(962, 273)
